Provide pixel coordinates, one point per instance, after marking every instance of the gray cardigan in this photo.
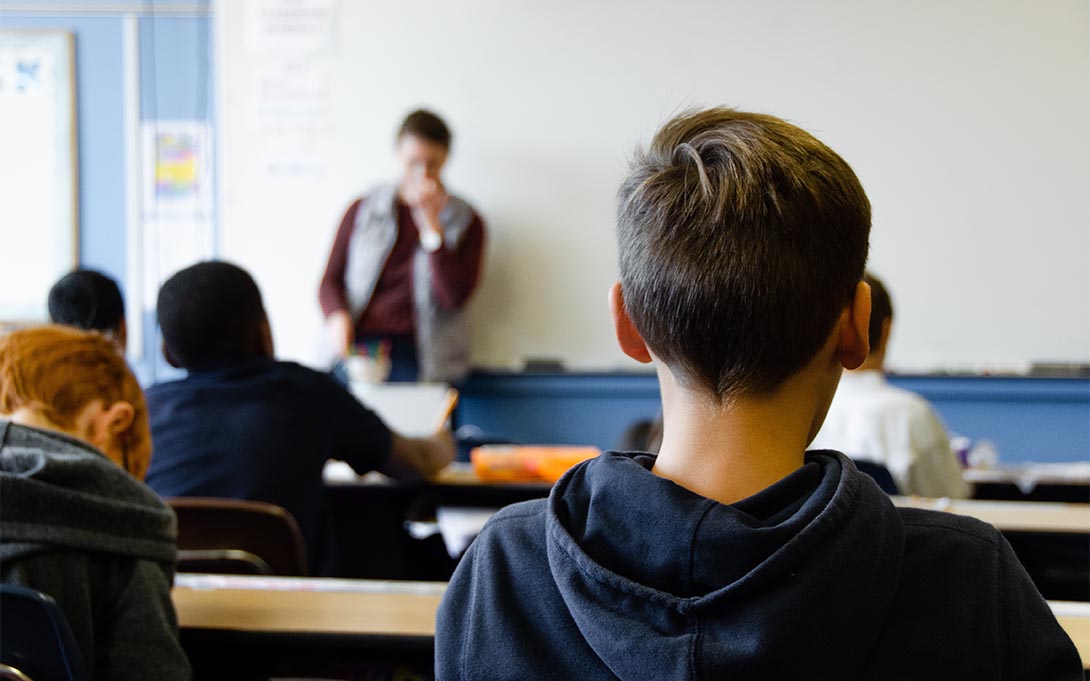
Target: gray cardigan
(442, 335)
(79, 528)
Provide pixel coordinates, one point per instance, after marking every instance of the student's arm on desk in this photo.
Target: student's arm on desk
(362, 440)
(419, 457)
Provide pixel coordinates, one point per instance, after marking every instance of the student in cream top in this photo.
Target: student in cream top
(872, 420)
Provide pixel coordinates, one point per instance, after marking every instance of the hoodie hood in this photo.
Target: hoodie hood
(59, 493)
(700, 587)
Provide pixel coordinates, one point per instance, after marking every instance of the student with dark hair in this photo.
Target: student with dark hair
(406, 258)
(735, 553)
(243, 425)
(872, 420)
(91, 301)
(75, 521)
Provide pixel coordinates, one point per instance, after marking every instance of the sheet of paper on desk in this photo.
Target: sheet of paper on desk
(459, 526)
(263, 583)
(340, 472)
(411, 409)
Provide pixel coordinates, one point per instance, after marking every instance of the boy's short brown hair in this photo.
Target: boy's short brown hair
(426, 125)
(741, 239)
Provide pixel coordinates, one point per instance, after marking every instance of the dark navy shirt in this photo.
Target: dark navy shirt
(261, 430)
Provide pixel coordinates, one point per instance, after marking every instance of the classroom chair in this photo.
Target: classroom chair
(237, 537)
(36, 642)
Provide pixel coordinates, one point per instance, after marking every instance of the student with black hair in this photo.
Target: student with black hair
(735, 553)
(871, 420)
(89, 300)
(243, 425)
(406, 258)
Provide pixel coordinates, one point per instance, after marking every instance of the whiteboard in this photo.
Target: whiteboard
(38, 199)
(966, 120)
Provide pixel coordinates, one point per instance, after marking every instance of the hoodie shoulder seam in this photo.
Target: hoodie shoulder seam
(502, 516)
(983, 537)
(512, 516)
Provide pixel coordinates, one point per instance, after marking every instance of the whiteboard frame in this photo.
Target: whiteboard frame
(62, 43)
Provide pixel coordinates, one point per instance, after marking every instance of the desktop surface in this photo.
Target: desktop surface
(311, 621)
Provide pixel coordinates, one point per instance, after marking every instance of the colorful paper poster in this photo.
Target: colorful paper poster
(177, 168)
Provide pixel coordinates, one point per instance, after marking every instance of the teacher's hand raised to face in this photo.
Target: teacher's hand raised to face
(427, 197)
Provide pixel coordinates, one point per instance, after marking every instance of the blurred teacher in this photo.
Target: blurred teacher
(406, 258)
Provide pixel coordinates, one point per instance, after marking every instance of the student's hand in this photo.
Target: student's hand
(342, 332)
(422, 456)
(444, 448)
(428, 198)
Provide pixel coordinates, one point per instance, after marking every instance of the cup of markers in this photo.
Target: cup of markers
(369, 362)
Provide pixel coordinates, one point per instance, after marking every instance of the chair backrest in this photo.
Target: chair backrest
(237, 537)
(880, 474)
(35, 640)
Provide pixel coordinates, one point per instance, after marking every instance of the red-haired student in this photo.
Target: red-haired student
(76, 522)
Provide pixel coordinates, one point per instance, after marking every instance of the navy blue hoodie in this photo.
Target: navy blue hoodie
(621, 574)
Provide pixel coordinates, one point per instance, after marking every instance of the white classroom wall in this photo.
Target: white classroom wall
(968, 122)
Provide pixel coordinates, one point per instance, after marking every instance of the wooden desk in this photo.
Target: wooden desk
(1062, 482)
(293, 613)
(1051, 539)
(1075, 619)
(456, 478)
(1029, 475)
(1012, 516)
(461, 474)
(307, 605)
(283, 626)
(458, 482)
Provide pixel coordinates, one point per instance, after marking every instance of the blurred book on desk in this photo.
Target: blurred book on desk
(410, 409)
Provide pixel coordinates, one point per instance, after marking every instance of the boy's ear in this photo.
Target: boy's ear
(121, 336)
(268, 349)
(853, 343)
(118, 417)
(170, 357)
(628, 337)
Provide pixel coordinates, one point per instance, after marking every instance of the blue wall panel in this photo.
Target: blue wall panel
(1028, 419)
(558, 409)
(176, 66)
(176, 82)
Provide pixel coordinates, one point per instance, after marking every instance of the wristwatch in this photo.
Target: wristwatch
(430, 240)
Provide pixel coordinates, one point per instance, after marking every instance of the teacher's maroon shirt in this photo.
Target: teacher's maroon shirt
(390, 311)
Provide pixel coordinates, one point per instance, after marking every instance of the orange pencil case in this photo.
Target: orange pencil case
(505, 463)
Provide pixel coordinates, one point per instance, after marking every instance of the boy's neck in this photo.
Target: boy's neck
(730, 451)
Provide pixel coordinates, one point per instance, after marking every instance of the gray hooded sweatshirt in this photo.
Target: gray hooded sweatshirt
(77, 527)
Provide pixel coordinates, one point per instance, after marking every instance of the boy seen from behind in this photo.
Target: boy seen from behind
(242, 425)
(735, 553)
(89, 300)
(872, 420)
(76, 523)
